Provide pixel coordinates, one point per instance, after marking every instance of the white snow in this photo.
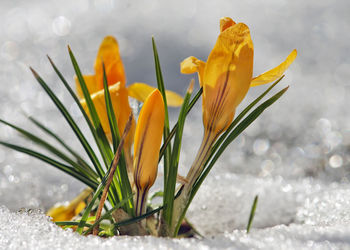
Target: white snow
(295, 156)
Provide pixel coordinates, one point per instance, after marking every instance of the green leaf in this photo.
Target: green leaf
(108, 214)
(172, 133)
(50, 148)
(113, 198)
(139, 218)
(242, 114)
(211, 161)
(69, 170)
(252, 213)
(70, 223)
(70, 121)
(168, 201)
(78, 158)
(94, 161)
(110, 112)
(96, 195)
(233, 135)
(103, 143)
(86, 213)
(156, 194)
(116, 186)
(160, 82)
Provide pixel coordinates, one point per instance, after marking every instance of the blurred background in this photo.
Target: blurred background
(304, 138)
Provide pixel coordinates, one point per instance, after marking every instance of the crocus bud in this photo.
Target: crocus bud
(148, 137)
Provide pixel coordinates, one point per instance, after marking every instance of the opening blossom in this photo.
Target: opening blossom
(226, 78)
(108, 54)
(227, 75)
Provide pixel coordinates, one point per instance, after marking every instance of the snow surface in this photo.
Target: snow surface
(295, 156)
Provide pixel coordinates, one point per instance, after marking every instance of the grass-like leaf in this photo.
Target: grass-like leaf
(116, 187)
(241, 115)
(233, 135)
(107, 214)
(67, 169)
(160, 82)
(113, 198)
(78, 158)
(106, 180)
(126, 190)
(113, 125)
(173, 131)
(105, 148)
(136, 219)
(94, 160)
(102, 141)
(70, 223)
(86, 213)
(70, 121)
(238, 130)
(252, 213)
(50, 148)
(169, 192)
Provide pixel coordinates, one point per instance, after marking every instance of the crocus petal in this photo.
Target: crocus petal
(75, 206)
(141, 91)
(108, 53)
(148, 137)
(275, 73)
(227, 77)
(122, 110)
(226, 22)
(90, 82)
(192, 65)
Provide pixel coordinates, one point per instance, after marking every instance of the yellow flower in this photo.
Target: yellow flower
(108, 53)
(75, 206)
(148, 137)
(227, 75)
(226, 78)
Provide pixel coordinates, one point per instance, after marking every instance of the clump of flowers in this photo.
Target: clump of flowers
(116, 199)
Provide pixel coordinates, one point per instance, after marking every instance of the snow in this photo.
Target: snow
(295, 156)
(296, 215)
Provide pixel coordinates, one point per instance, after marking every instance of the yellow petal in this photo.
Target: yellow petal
(173, 99)
(275, 73)
(60, 213)
(108, 53)
(148, 137)
(192, 65)
(141, 91)
(227, 77)
(90, 82)
(80, 207)
(226, 22)
(122, 110)
(75, 206)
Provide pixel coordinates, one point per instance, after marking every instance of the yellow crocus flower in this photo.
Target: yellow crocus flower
(75, 206)
(148, 137)
(108, 53)
(226, 78)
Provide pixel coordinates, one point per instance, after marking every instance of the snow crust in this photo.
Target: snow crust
(295, 156)
(295, 215)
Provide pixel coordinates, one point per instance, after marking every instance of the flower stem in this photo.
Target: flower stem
(141, 199)
(181, 203)
(201, 157)
(111, 174)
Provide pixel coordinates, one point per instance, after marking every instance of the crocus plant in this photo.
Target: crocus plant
(116, 199)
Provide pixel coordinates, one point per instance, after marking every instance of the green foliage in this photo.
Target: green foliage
(160, 83)
(252, 213)
(94, 174)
